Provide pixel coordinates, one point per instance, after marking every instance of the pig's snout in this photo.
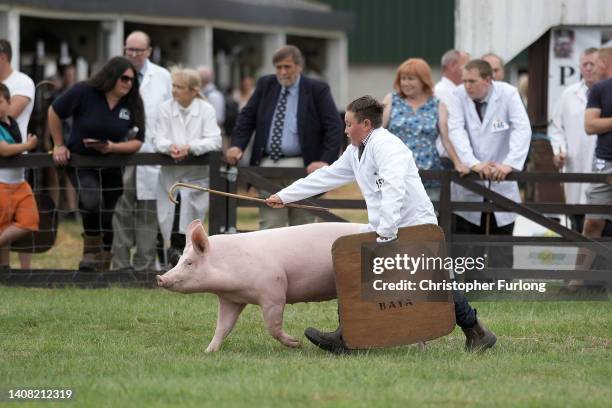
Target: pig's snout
(161, 282)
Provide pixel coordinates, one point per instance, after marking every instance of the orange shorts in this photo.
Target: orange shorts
(18, 206)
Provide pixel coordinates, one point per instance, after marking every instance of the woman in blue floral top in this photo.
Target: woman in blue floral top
(417, 117)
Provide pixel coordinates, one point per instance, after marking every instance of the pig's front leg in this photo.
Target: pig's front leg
(226, 318)
(273, 318)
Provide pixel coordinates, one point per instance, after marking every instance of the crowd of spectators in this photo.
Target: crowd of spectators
(470, 121)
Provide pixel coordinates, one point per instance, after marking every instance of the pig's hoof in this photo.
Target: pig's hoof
(211, 349)
(292, 342)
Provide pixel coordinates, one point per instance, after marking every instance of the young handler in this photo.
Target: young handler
(395, 197)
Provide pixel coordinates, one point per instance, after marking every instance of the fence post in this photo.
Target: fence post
(444, 205)
(217, 213)
(232, 203)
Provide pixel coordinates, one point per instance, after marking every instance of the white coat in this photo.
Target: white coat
(566, 132)
(444, 91)
(200, 131)
(504, 137)
(155, 89)
(387, 177)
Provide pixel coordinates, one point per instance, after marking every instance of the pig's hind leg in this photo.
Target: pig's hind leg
(226, 318)
(273, 318)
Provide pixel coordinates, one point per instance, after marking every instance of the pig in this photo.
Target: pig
(269, 268)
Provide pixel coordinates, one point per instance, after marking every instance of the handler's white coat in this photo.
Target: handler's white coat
(503, 137)
(155, 89)
(388, 178)
(200, 131)
(566, 131)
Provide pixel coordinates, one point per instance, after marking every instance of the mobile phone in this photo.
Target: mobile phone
(88, 141)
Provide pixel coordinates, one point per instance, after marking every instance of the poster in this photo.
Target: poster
(566, 47)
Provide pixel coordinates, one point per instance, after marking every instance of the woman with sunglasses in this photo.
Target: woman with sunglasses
(107, 117)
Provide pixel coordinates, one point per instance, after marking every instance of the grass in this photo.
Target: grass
(132, 347)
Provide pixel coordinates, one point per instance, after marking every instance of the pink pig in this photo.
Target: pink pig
(268, 268)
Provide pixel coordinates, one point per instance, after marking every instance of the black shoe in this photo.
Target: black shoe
(331, 342)
(479, 338)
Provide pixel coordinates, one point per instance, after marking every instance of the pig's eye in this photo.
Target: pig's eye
(188, 262)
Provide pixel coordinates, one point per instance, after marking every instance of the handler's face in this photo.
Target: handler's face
(354, 130)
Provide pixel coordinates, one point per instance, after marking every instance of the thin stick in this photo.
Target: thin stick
(238, 196)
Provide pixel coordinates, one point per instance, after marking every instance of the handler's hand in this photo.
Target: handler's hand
(385, 240)
(274, 201)
(233, 154)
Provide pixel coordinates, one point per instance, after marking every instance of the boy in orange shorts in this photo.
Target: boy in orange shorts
(18, 211)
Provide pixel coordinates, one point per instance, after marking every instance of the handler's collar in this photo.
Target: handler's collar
(365, 141)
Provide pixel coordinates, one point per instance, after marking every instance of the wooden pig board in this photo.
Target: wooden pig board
(397, 318)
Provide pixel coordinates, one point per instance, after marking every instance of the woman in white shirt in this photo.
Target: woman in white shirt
(186, 125)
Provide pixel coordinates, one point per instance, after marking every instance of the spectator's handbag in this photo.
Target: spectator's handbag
(381, 318)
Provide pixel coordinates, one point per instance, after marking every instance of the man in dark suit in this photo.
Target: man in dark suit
(296, 124)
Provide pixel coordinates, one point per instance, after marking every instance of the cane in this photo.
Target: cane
(238, 196)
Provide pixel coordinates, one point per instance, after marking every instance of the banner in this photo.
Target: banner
(566, 47)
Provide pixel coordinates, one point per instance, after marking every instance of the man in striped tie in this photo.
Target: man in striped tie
(296, 124)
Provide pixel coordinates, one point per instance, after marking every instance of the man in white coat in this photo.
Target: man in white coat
(490, 131)
(573, 150)
(389, 180)
(452, 65)
(135, 218)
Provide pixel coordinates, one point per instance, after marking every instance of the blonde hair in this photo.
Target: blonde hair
(191, 77)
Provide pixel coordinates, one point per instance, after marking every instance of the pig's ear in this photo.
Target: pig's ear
(199, 240)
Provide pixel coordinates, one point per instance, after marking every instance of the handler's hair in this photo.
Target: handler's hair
(482, 66)
(288, 51)
(367, 107)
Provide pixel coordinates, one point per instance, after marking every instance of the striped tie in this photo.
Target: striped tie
(279, 122)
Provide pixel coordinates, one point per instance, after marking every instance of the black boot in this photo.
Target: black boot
(331, 342)
(478, 337)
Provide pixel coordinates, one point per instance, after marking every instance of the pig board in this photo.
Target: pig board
(371, 324)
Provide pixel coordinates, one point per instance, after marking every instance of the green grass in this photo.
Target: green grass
(131, 347)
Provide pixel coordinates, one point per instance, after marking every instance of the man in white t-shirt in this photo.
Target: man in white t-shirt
(22, 103)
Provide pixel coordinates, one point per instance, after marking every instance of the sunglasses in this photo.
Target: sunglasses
(127, 79)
